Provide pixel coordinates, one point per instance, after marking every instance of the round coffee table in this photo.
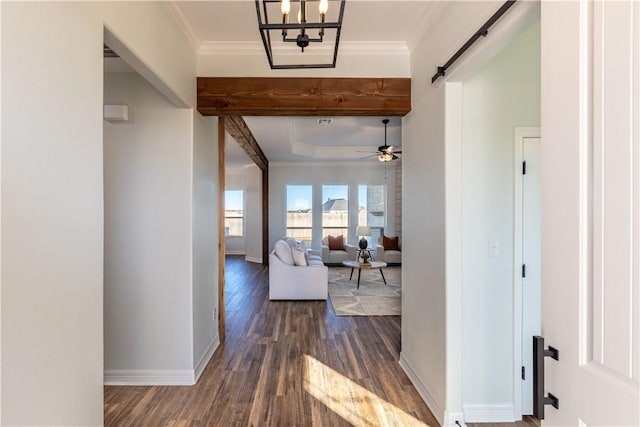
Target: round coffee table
(373, 264)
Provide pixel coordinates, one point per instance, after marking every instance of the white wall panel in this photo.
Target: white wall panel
(615, 188)
(590, 217)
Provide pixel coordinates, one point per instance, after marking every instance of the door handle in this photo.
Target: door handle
(539, 399)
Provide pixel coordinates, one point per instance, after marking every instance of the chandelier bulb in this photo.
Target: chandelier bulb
(285, 7)
(323, 7)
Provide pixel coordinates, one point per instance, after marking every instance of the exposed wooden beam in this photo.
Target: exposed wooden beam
(247, 96)
(240, 132)
(221, 235)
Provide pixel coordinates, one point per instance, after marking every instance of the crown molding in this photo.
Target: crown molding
(236, 48)
(176, 12)
(374, 48)
(230, 48)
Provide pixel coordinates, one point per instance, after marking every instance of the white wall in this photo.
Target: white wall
(424, 344)
(317, 174)
(356, 64)
(52, 195)
(253, 227)
(502, 95)
(205, 239)
(432, 355)
(147, 276)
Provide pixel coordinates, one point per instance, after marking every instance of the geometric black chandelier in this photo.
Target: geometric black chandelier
(315, 21)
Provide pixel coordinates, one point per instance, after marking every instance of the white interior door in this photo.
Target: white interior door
(530, 282)
(590, 210)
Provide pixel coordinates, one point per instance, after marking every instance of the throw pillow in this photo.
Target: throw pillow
(336, 243)
(299, 257)
(296, 244)
(283, 251)
(390, 243)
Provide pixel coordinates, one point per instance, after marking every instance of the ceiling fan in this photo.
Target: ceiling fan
(385, 152)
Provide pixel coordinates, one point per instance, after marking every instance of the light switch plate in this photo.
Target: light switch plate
(494, 248)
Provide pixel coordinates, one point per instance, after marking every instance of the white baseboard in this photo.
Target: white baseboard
(489, 412)
(450, 419)
(227, 252)
(423, 390)
(257, 260)
(204, 360)
(148, 377)
(161, 377)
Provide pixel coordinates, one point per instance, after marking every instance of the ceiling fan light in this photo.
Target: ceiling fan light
(385, 157)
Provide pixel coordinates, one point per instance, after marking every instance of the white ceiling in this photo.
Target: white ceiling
(367, 25)
(303, 139)
(210, 22)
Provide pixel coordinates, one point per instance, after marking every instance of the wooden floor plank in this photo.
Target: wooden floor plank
(261, 375)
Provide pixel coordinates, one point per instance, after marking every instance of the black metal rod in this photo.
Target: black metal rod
(306, 25)
(482, 32)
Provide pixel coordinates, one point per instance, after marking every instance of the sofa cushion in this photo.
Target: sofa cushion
(392, 257)
(299, 257)
(390, 243)
(283, 251)
(336, 257)
(316, 263)
(336, 243)
(313, 258)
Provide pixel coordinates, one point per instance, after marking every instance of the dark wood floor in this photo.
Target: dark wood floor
(527, 421)
(290, 363)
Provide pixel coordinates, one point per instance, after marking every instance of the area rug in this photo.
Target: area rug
(374, 298)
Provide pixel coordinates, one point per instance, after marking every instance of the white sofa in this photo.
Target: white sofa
(331, 257)
(390, 256)
(288, 281)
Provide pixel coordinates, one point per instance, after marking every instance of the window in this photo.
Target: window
(299, 212)
(371, 210)
(234, 213)
(335, 210)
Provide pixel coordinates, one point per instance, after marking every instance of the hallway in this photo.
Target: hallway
(284, 363)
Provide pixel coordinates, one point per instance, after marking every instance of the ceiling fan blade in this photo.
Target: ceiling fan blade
(395, 157)
(366, 152)
(397, 152)
(368, 157)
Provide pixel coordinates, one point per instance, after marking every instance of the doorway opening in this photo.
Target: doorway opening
(527, 255)
(484, 106)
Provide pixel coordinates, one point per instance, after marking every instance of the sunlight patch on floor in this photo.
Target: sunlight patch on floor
(351, 401)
